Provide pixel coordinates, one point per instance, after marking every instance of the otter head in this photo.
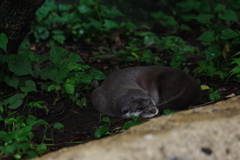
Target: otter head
(137, 102)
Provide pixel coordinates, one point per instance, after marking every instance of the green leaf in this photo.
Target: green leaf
(32, 121)
(69, 88)
(29, 86)
(59, 38)
(16, 100)
(25, 45)
(74, 97)
(97, 75)
(40, 122)
(228, 34)
(96, 24)
(3, 41)
(3, 133)
(57, 54)
(129, 124)
(58, 126)
(41, 148)
(58, 75)
(212, 52)
(108, 24)
(83, 77)
(220, 8)
(167, 111)
(64, 7)
(31, 154)
(144, 34)
(148, 39)
(36, 72)
(214, 95)
(204, 18)
(207, 36)
(81, 102)
(106, 119)
(229, 15)
(84, 9)
(53, 87)
(101, 131)
(74, 57)
(46, 8)
(9, 149)
(135, 118)
(19, 65)
(185, 27)
(13, 81)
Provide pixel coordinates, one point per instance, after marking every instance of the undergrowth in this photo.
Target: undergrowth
(90, 21)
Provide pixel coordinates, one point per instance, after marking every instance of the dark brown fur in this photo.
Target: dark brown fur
(142, 91)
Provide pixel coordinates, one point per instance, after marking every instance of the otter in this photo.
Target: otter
(145, 91)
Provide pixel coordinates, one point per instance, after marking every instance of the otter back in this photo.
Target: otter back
(143, 91)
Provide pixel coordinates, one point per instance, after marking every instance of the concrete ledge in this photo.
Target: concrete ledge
(211, 132)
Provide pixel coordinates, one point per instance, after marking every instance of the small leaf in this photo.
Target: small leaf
(97, 75)
(110, 24)
(58, 126)
(204, 18)
(148, 39)
(59, 38)
(69, 88)
(204, 87)
(16, 100)
(106, 119)
(3, 41)
(129, 124)
(83, 77)
(25, 45)
(65, 7)
(40, 122)
(74, 57)
(57, 54)
(229, 15)
(84, 9)
(207, 36)
(53, 87)
(19, 65)
(29, 86)
(41, 148)
(228, 34)
(101, 131)
(58, 75)
(13, 82)
(167, 111)
(134, 117)
(32, 121)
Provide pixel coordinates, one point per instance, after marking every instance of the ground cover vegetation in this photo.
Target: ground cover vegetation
(199, 37)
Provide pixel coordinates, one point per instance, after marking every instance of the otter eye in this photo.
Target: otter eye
(139, 109)
(124, 111)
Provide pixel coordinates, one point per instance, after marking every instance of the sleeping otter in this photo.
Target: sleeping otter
(144, 91)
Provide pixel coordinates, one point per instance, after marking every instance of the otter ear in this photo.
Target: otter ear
(124, 111)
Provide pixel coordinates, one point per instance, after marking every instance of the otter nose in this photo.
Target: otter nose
(153, 110)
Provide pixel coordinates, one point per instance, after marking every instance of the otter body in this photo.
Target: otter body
(143, 91)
